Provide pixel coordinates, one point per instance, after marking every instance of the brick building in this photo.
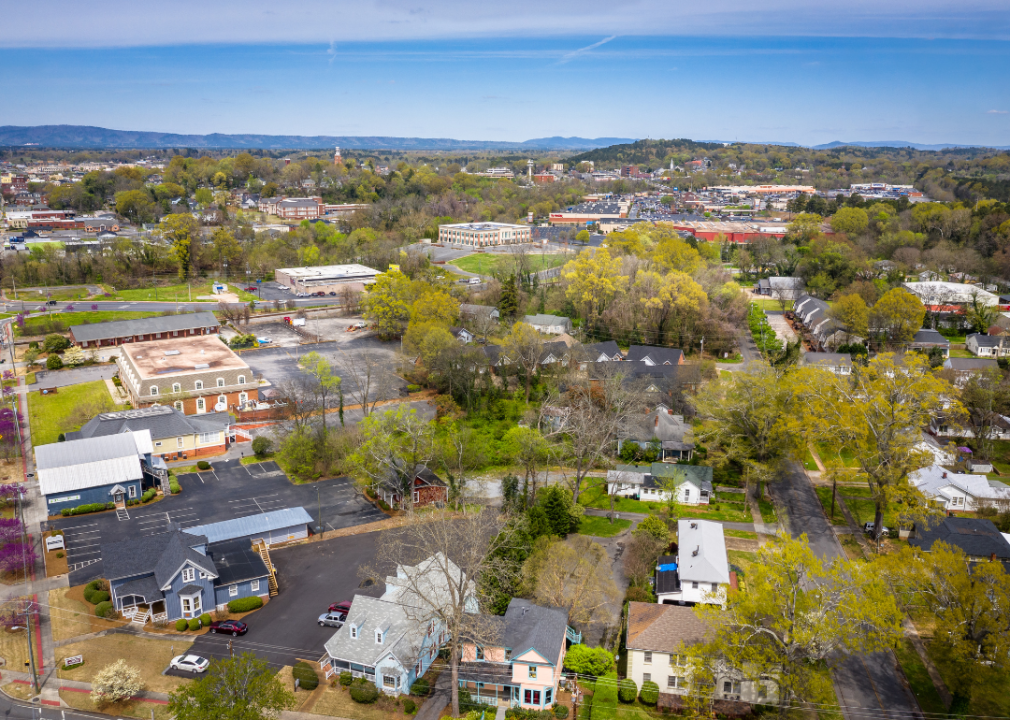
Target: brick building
(118, 332)
(198, 375)
(427, 489)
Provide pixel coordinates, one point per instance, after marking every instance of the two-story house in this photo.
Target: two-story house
(523, 667)
(699, 572)
(195, 375)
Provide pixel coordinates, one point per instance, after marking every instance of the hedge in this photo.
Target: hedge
(605, 697)
(173, 485)
(561, 712)
(627, 690)
(245, 604)
(86, 508)
(103, 609)
(305, 675)
(409, 706)
(205, 619)
(97, 596)
(148, 496)
(421, 688)
(181, 624)
(346, 678)
(203, 465)
(364, 692)
(650, 693)
(194, 624)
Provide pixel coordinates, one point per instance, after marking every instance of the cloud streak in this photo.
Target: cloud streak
(996, 112)
(568, 57)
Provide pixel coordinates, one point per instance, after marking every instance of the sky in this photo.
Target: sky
(761, 71)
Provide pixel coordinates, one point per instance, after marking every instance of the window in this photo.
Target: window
(198, 384)
(201, 405)
(533, 672)
(508, 655)
(480, 653)
(527, 697)
(208, 437)
(178, 441)
(646, 677)
(154, 390)
(203, 575)
(378, 637)
(687, 494)
(254, 585)
(354, 632)
(648, 658)
(715, 587)
(232, 590)
(675, 681)
(536, 697)
(176, 387)
(188, 574)
(223, 399)
(731, 687)
(243, 398)
(220, 382)
(131, 491)
(389, 681)
(241, 379)
(417, 497)
(158, 444)
(547, 697)
(694, 586)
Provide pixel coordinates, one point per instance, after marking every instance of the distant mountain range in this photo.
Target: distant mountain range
(84, 136)
(905, 143)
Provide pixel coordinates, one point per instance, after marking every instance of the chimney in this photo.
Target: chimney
(944, 474)
(992, 558)
(656, 424)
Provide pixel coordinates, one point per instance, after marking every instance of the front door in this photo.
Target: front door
(118, 498)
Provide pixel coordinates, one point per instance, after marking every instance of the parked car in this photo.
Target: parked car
(235, 627)
(264, 341)
(341, 607)
(251, 288)
(333, 294)
(360, 325)
(333, 619)
(321, 294)
(189, 663)
(868, 529)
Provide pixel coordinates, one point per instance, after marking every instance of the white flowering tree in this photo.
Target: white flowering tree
(115, 682)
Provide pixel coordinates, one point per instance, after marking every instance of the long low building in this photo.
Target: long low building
(940, 296)
(271, 528)
(159, 327)
(486, 234)
(325, 278)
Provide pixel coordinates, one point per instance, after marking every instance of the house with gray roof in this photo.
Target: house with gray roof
(978, 538)
(549, 324)
(114, 469)
(672, 437)
(925, 340)
(959, 491)
(691, 484)
(964, 368)
(987, 346)
(174, 434)
(837, 363)
(699, 572)
(160, 327)
(179, 574)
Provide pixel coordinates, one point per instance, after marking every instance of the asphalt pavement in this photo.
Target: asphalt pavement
(73, 376)
(867, 685)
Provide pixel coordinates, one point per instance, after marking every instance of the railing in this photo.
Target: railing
(574, 637)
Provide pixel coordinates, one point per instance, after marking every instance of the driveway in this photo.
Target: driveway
(229, 490)
(310, 577)
(73, 376)
(780, 325)
(866, 684)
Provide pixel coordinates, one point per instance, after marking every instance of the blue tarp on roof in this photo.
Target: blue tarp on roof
(252, 525)
(669, 567)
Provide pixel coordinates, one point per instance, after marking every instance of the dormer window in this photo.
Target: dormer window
(220, 382)
(354, 632)
(533, 672)
(378, 637)
(188, 574)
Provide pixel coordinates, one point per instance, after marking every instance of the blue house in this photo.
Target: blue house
(181, 575)
(115, 468)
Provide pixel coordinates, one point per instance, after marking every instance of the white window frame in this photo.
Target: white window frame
(198, 385)
(131, 491)
(254, 585)
(157, 443)
(176, 387)
(188, 574)
(208, 437)
(178, 442)
(154, 391)
(220, 382)
(222, 399)
(201, 405)
(232, 590)
(354, 632)
(647, 657)
(646, 677)
(243, 398)
(241, 379)
(178, 406)
(416, 497)
(378, 637)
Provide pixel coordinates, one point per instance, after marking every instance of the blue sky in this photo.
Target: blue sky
(774, 76)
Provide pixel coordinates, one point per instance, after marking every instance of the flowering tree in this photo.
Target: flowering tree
(68, 308)
(8, 428)
(115, 682)
(20, 320)
(94, 306)
(10, 530)
(16, 556)
(8, 374)
(14, 613)
(9, 493)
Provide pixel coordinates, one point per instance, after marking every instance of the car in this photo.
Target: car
(360, 325)
(868, 529)
(50, 302)
(251, 288)
(320, 294)
(341, 607)
(333, 619)
(333, 294)
(189, 663)
(235, 627)
(264, 341)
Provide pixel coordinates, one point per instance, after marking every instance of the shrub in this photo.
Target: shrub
(194, 624)
(413, 388)
(89, 508)
(245, 604)
(205, 619)
(637, 594)
(346, 678)
(33, 345)
(420, 688)
(261, 446)
(203, 465)
(305, 675)
(560, 711)
(59, 554)
(55, 343)
(650, 693)
(627, 690)
(181, 624)
(99, 596)
(364, 692)
(53, 362)
(173, 486)
(148, 495)
(115, 682)
(383, 504)
(103, 609)
(409, 706)
(585, 660)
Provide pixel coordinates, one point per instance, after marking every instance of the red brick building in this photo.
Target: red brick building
(428, 489)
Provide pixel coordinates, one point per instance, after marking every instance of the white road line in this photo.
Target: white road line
(258, 505)
(248, 470)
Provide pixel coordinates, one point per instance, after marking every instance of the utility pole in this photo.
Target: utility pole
(28, 609)
(319, 506)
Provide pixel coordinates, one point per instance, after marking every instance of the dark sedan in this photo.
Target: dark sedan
(235, 627)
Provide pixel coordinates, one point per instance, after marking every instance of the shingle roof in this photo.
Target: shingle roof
(607, 347)
(982, 340)
(547, 320)
(663, 628)
(236, 561)
(179, 550)
(92, 462)
(931, 480)
(977, 537)
(144, 326)
(139, 555)
(162, 421)
(403, 637)
(146, 587)
(930, 336)
(252, 524)
(701, 548)
(827, 359)
(968, 364)
(663, 426)
(534, 626)
(655, 355)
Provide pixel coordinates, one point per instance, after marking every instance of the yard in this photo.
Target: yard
(143, 709)
(595, 497)
(829, 457)
(14, 646)
(66, 410)
(988, 698)
(336, 701)
(768, 303)
(918, 679)
(43, 324)
(59, 294)
(488, 263)
(824, 495)
(602, 527)
(71, 615)
(182, 292)
(148, 655)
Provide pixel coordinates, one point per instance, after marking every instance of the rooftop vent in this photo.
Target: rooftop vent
(694, 553)
(694, 526)
(201, 366)
(173, 352)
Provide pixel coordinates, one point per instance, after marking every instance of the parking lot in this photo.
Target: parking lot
(229, 490)
(310, 577)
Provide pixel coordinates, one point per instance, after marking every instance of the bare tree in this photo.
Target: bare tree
(350, 300)
(574, 574)
(301, 400)
(363, 376)
(524, 347)
(440, 558)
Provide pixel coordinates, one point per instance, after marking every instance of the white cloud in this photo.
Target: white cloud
(588, 48)
(111, 23)
(996, 112)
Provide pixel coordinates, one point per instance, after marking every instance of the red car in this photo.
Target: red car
(235, 627)
(341, 607)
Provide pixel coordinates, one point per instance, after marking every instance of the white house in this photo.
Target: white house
(837, 363)
(699, 572)
(549, 324)
(987, 346)
(958, 491)
(691, 483)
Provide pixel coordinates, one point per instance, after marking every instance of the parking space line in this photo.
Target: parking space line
(214, 473)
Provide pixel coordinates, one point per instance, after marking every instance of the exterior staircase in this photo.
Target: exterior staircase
(141, 617)
(261, 548)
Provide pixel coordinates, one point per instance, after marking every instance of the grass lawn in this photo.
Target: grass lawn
(51, 415)
(180, 292)
(601, 526)
(808, 461)
(918, 679)
(960, 352)
(864, 510)
(41, 324)
(130, 708)
(768, 514)
(772, 304)
(744, 534)
(487, 263)
(596, 498)
(41, 295)
(14, 647)
(988, 698)
(336, 701)
(824, 495)
(830, 457)
(147, 654)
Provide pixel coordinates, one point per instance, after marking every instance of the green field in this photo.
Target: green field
(766, 303)
(824, 495)
(181, 292)
(42, 294)
(601, 526)
(918, 679)
(66, 410)
(487, 263)
(595, 497)
(42, 324)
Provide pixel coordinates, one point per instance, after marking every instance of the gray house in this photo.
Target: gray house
(673, 436)
(549, 324)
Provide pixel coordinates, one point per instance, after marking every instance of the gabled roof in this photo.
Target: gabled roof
(977, 537)
(931, 481)
(141, 555)
(654, 355)
(252, 524)
(92, 462)
(402, 637)
(826, 359)
(177, 553)
(608, 348)
(985, 340)
(162, 421)
(662, 426)
(471, 309)
(701, 548)
(425, 584)
(663, 628)
(534, 627)
(547, 320)
(930, 337)
(970, 364)
(144, 326)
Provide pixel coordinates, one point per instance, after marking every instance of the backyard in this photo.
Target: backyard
(187, 292)
(488, 263)
(595, 497)
(66, 410)
(601, 526)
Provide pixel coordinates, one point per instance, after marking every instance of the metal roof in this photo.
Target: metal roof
(93, 462)
(252, 524)
(144, 326)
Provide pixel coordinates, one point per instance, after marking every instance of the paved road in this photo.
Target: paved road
(867, 685)
(151, 306)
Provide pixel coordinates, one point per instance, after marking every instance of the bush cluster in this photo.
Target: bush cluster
(148, 496)
(104, 609)
(627, 690)
(261, 446)
(365, 692)
(420, 688)
(202, 465)
(96, 591)
(409, 706)
(86, 508)
(194, 624)
(181, 624)
(245, 604)
(173, 485)
(205, 619)
(346, 678)
(650, 693)
(560, 711)
(528, 714)
(305, 675)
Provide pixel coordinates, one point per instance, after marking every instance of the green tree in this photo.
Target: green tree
(850, 220)
(582, 236)
(136, 205)
(593, 280)
(326, 384)
(393, 445)
(852, 313)
(508, 303)
(654, 527)
(798, 611)
(981, 315)
(527, 448)
(562, 514)
(585, 660)
(226, 247)
(239, 688)
(387, 304)
(898, 315)
(182, 232)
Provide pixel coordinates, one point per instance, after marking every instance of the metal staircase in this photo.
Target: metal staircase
(261, 548)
